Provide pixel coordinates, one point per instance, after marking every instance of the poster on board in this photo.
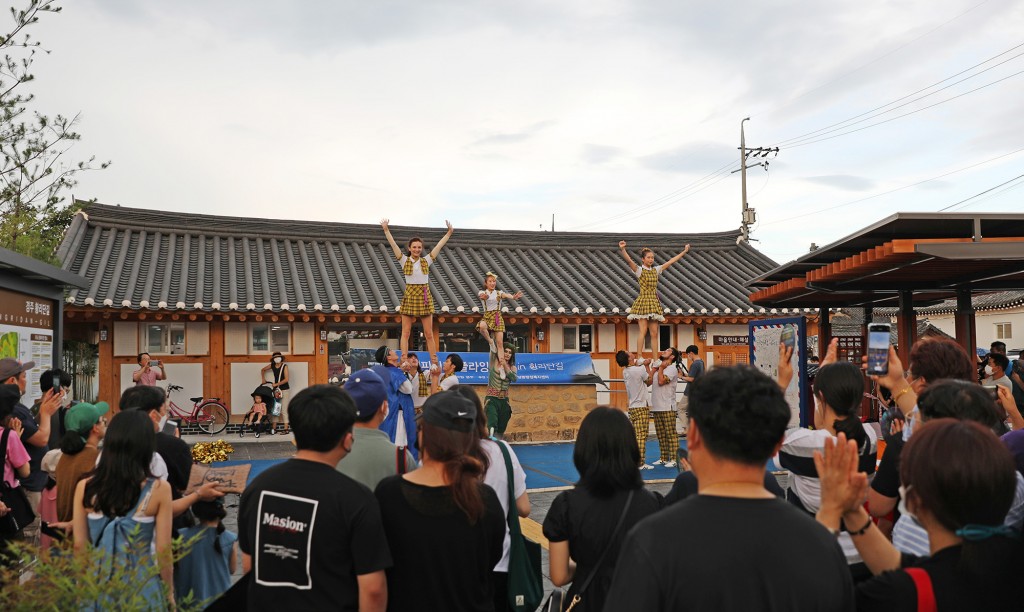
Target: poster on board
(765, 337)
(26, 334)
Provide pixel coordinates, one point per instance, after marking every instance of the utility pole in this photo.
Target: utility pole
(748, 215)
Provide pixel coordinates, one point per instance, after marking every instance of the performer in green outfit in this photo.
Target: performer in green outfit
(496, 404)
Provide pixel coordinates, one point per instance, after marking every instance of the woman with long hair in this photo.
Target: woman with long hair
(417, 303)
(496, 477)
(838, 391)
(958, 482)
(582, 521)
(445, 527)
(124, 511)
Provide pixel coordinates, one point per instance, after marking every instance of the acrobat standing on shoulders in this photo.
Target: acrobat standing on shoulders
(417, 303)
(647, 307)
(491, 296)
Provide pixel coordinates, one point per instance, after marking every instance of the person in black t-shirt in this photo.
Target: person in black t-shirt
(312, 537)
(974, 560)
(735, 545)
(581, 521)
(446, 527)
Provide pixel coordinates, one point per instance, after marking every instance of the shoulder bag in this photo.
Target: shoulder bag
(925, 593)
(20, 514)
(558, 595)
(525, 588)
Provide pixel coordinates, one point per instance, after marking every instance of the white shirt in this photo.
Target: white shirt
(417, 277)
(1003, 381)
(635, 378)
(497, 478)
(640, 269)
(448, 382)
(491, 301)
(663, 397)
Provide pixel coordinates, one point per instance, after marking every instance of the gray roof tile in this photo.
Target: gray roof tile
(143, 259)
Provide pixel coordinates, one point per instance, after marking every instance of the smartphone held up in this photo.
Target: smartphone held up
(878, 349)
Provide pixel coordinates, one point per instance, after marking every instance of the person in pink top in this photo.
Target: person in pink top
(16, 458)
(148, 374)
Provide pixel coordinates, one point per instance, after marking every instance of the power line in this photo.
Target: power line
(924, 108)
(722, 172)
(839, 125)
(877, 59)
(1016, 178)
(878, 195)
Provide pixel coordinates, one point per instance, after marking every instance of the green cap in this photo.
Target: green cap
(82, 416)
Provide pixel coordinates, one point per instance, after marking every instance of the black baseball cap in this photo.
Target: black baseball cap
(449, 410)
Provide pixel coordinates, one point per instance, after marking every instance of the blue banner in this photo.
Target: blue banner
(531, 368)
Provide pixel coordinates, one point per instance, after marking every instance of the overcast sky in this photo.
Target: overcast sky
(613, 115)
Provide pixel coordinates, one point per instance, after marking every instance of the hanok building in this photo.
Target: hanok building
(214, 296)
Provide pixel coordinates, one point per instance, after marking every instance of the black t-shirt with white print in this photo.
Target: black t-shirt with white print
(310, 530)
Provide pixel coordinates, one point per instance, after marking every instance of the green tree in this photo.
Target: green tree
(36, 171)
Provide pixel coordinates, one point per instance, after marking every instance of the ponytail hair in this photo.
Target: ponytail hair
(206, 511)
(72, 443)
(457, 451)
(644, 251)
(841, 384)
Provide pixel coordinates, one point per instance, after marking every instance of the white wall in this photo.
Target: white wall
(986, 326)
(188, 375)
(245, 377)
(603, 367)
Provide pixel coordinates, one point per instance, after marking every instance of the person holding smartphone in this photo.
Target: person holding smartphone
(146, 375)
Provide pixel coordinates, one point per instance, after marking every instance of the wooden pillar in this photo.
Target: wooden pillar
(217, 374)
(906, 326)
(966, 326)
(824, 331)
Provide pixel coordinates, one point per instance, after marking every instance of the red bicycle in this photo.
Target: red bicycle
(208, 413)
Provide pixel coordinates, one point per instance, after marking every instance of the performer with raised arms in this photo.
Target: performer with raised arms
(647, 307)
(417, 303)
(492, 321)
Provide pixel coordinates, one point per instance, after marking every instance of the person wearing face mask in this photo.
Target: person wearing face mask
(172, 460)
(995, 371)
(374, 457)
(35, 435)
(838, 390)
(278, 380)
(972, 560)
(60, 380)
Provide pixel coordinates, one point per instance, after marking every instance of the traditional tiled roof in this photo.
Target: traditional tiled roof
(144, 259)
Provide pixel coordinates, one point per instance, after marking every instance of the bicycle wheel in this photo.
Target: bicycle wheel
(212, 417)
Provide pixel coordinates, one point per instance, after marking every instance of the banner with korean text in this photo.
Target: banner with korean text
(531, 368)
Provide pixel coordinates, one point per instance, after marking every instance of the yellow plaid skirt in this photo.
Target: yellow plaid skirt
(417, 301)
(494, 320)
(646, 306)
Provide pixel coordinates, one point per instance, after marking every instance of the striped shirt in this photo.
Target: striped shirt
(797, 456)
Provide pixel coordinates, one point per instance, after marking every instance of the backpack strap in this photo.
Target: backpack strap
(925, 593)
(400, 460)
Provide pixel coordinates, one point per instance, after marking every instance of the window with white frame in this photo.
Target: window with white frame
(1004, 331)
(162, 338)
(269, 338)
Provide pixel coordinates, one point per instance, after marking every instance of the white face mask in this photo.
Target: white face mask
(278, 360)
(66, 400)
(902, 506)
(988, 370)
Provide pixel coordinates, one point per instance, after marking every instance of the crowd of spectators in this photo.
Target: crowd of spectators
(353, 521)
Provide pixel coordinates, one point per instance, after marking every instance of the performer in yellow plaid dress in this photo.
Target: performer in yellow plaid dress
(417, 303)
(493, 321)
(647, 307)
